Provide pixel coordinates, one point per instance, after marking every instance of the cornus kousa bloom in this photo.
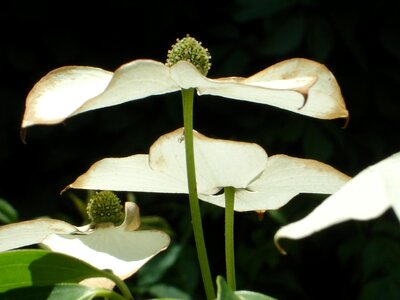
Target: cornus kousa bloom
(298, 85)
(260, 182)
(123, 248)
(368, 195)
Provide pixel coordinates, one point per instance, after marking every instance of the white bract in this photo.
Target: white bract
(298, 85)
(368, 195)
(260, 182)
(122, 249)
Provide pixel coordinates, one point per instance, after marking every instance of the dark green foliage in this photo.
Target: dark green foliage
(359, 42)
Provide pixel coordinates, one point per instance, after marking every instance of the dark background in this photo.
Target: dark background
(358, 41)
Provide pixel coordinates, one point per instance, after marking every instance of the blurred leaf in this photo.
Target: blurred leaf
(155, 222)
(7, 213)
(387, 104)
(225, 293)
(66, 291)
(385, 288)
(80, 206)
(346, 23)
(248, 295)
(158, 266)
(278, 216)
(168, 291)
(351, 249)
(317, 145)
(235, 61)
(24, 268)
(283, 35)
(386, 257)
(250, 10)
(389, 35)
(319, 38)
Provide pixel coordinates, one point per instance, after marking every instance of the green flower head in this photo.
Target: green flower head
(191, 50)
(105, 207)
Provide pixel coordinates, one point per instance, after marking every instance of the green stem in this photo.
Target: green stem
(120, 284)
(229, 239)
(109, 295)
(187, 101)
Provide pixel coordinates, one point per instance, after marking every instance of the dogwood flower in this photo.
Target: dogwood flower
(260, 182)
(298, 85)
(368, 195)
(122, 249)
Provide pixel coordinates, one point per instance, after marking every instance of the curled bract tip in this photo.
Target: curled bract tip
(279, 247)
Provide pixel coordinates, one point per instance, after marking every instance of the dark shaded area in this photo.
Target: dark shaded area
(358, 41)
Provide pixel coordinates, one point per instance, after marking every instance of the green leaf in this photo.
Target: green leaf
(80, 206)
(67, 291)
(250, 10)
(168, 292)
(158, 266)
(284, 35)
(24, 268)
(225, 293)
(319, 38)
(7, 213)
(165, 299)
(248, 295)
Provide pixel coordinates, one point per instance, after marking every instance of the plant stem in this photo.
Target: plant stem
(109, 295)
(187, 102)
(229, 239)
(120, 284)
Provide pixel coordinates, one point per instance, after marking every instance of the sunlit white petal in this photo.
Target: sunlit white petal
(219, 163)
(135, 80)
(121, 251)
(324, 98)
(131, 173)
(298, 85)
(366, 196)
(71, 90)
(57, 95)
(27, 233)
(283, 178)
(187, 76)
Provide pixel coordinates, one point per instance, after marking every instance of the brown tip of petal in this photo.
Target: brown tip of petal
(260, 214)
(65, 189)
(22, 135)
(278, 246)
(346, 123)
(305, 95)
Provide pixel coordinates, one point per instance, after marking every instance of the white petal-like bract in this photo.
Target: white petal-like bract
(58, 94)
(27, 233)
(121, 251)
(298, 85)
(71, 90)
(219, 163)
(131, 173)
(368, 195)
(283, 178)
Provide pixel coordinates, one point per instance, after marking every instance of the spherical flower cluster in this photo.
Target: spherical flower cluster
(105, 207)
(189, 49)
